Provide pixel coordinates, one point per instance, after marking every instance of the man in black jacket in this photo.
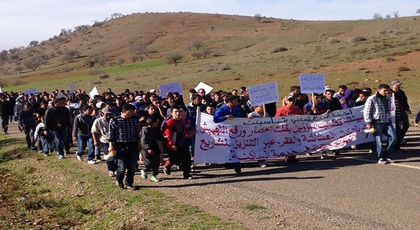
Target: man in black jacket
(27, 124)
(57, 121)
(5, 112)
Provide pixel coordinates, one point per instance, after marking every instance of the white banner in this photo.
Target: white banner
(243, 139)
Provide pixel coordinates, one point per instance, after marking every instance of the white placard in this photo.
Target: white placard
(170, 88)
(1, 91)
(263, 93)
(312, 83)
(93, 92)
(71, 87)
(204, 86)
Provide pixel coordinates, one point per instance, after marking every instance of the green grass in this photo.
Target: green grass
(255, 207)
(67, 195)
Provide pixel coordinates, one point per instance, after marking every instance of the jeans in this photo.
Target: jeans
(46, 145)
(29, 136)
(82, 142)
(111, 165)
(60, 136)
(388, 130)
(127, 156)
(5, 123)
(182, 156)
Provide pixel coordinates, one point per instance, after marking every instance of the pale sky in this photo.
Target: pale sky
(22, 21)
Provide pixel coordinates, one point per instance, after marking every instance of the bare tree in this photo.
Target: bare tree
(19, 68)
(418, 11)
(174, 58)
(120, 61)
(197, 55)
(34, 62)
(197, 44)
(396, 14)
(388, 16)
(116, 15)
(258, 17)
(69, 55)
(139, 49)
(377, 16)
(206, 52)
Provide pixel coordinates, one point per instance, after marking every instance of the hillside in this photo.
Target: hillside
(240, 51)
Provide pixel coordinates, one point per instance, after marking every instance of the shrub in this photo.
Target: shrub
(119, 78)
(408, 38)
(103, 76)
(333, 41)
(389, 59)
(358, 39)
(403, 68)
(279, 49)
(224, 67)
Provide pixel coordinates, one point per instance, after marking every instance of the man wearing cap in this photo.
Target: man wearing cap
(400, 96)
(100, 133)
(377, 114)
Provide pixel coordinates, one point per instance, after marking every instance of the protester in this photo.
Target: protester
(151, 135)
(404, 108)
(100, 134)
(377, 115)
(46, 140)
(229, 111)
(27, 124)
(259, 113)
(176, 143)
(5, 112)
(124, 136)
(57, 121)
(83, 135)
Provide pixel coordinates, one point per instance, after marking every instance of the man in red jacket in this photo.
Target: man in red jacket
(176, 143)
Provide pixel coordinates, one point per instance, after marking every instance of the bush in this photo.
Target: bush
(279, 49)
(119, 78)
(358, 39)
(103, 76)
(408, 38)
(333, 40)
(224, 67)
(389, 59)
(403, 68)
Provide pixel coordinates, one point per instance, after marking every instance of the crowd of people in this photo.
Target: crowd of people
(159, 130)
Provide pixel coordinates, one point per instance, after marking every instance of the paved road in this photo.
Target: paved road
(351, 191)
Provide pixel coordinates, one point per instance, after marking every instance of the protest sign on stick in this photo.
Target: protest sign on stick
(312, 83)
(170, 88)
(263, 93)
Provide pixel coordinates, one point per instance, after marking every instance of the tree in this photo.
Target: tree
(174, 58)
(258, 17)
(120, 61)
(19, 68)
(388, 16)
(33, 43)
(418, 11)
(197, 55)
(206, 52)
(34, 62)
(396, 14)
(377, 16)
(139, 49)
(197, 44)
(116, 15)
(69, 55)
(3, 55)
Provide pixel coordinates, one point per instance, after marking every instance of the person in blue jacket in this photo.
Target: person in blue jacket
(228, 111)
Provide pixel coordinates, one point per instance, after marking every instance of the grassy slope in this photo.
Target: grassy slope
(241, 43)
(64, 194)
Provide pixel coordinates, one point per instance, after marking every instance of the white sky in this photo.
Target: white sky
(22, 21)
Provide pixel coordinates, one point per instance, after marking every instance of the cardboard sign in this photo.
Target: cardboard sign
(263, 93)
(170, 88)
(312, 83)
(204, 86)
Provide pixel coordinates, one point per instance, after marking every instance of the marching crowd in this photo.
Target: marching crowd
(162, 127)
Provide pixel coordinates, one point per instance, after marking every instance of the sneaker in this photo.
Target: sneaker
(167, 171)
(98, 161)
(353, 147)
(79, 158)
(324, 154)
(119, 185)
(238, 169)
(389, 160)
(370, 151)
(262, 164)
(111, 173)
(91, 162)
(143, 174)
(131, 187)
(382, 161)
(60, 157)
(45, 155)
(154, 179)
(189, 177)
